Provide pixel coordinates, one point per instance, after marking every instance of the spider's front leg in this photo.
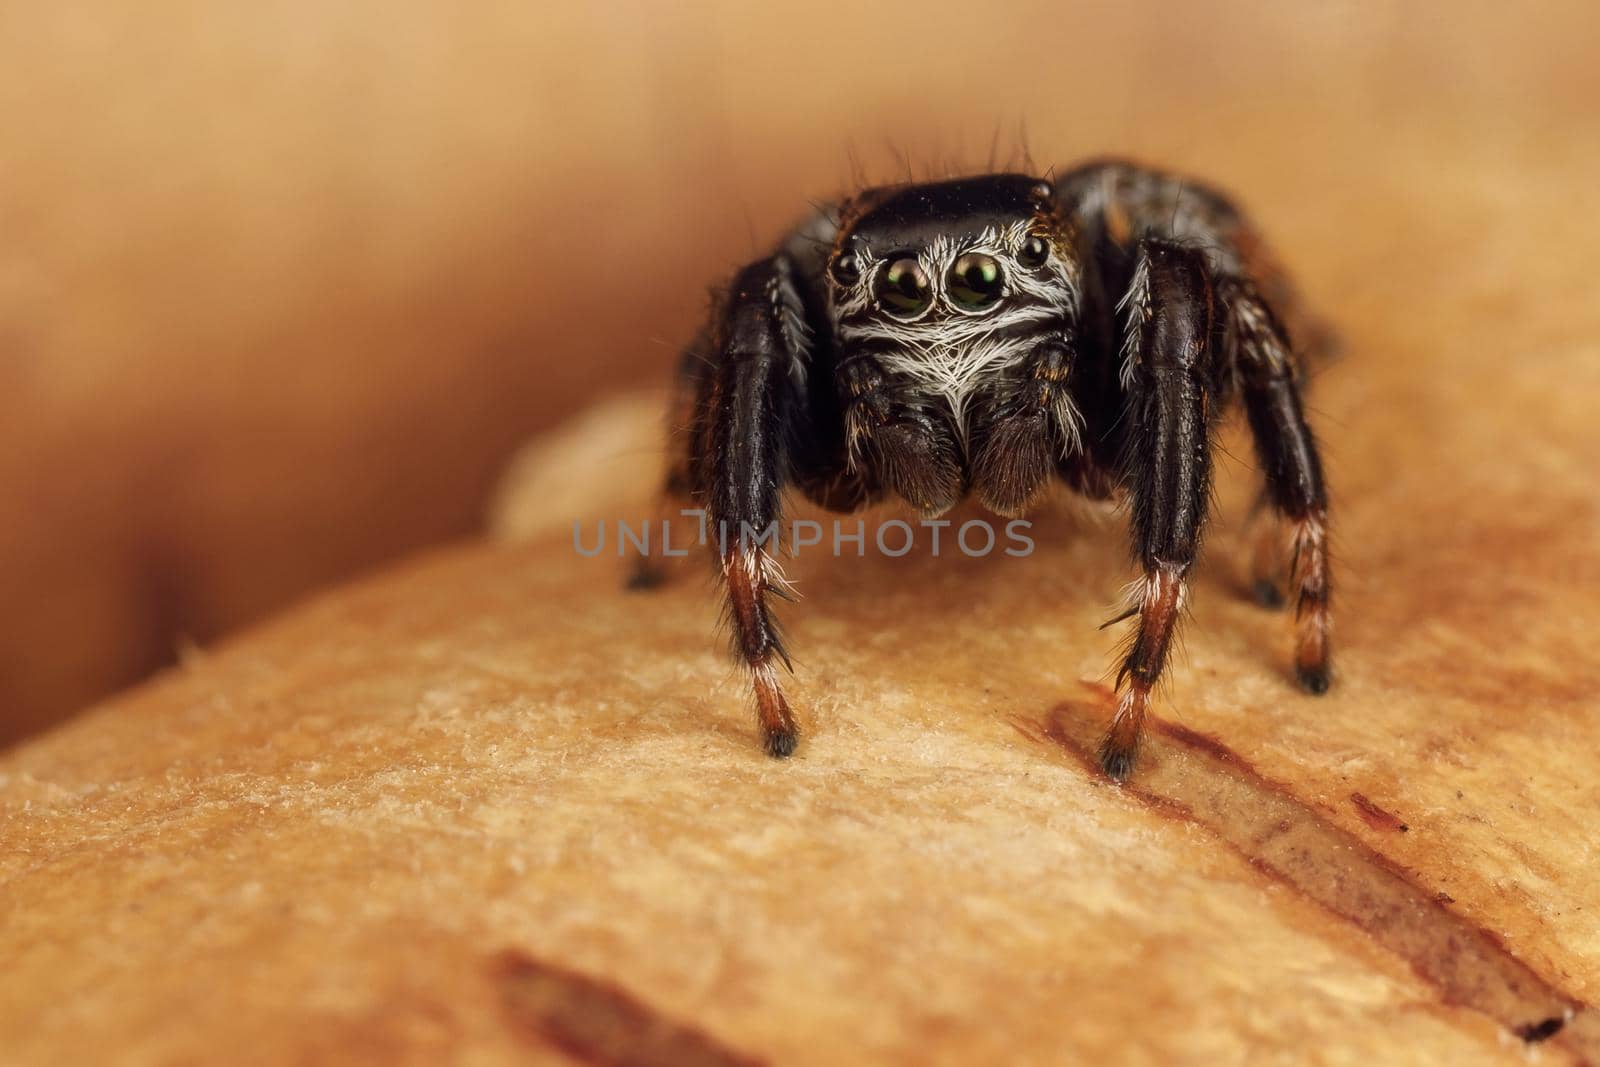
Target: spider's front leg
(747, 409)
(1169, 356)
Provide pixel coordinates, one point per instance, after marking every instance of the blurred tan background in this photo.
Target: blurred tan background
(281, 290)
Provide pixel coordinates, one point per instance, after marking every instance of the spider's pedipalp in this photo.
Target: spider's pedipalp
(911, 448)
(1030, 426)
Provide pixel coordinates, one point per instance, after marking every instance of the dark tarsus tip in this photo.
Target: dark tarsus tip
(1116, 760)
(644, 577)
(1313, 680)
(780, 744)
(1267, 594)
(1542, 1030)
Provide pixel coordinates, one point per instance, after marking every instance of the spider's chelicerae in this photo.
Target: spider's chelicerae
(986, 335)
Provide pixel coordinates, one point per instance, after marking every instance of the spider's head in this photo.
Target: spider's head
(956, 251)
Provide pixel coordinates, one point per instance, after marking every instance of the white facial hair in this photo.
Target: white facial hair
(954, 354)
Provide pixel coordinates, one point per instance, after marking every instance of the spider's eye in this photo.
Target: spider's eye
(975, 280)
(1034, 251)
(846, 271)
(903, 288)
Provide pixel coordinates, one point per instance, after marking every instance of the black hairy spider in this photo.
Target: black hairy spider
(983, 335)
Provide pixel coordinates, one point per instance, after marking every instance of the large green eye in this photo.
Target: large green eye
(976, 281)
(903, 288)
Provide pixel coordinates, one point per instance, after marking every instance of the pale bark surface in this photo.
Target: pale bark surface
(488, 808)
(282, 285)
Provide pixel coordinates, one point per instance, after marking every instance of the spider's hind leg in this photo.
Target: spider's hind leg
(673, 530)
(1264, 531)
(674, 505)
(1294, 483)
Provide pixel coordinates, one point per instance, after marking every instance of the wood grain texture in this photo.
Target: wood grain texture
(488, 808)
(280, 287)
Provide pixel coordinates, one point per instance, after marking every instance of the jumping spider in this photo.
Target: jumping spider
(983, 335)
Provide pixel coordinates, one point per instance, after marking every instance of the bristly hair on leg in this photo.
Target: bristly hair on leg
(1144, 653)
(754, 633)
(1135, 306)
(1308, 576)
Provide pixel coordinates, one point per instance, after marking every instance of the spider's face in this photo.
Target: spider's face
(969, 255)
(948, 285)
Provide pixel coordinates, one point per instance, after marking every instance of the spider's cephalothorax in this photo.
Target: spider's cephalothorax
(987, 335)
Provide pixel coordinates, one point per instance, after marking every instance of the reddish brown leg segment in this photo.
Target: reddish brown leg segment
(750, 576)
(1309, 577)
(1160, 605)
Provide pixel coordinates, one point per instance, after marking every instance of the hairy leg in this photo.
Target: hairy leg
(1293, 471)
(747, 410)
(1170, 348)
